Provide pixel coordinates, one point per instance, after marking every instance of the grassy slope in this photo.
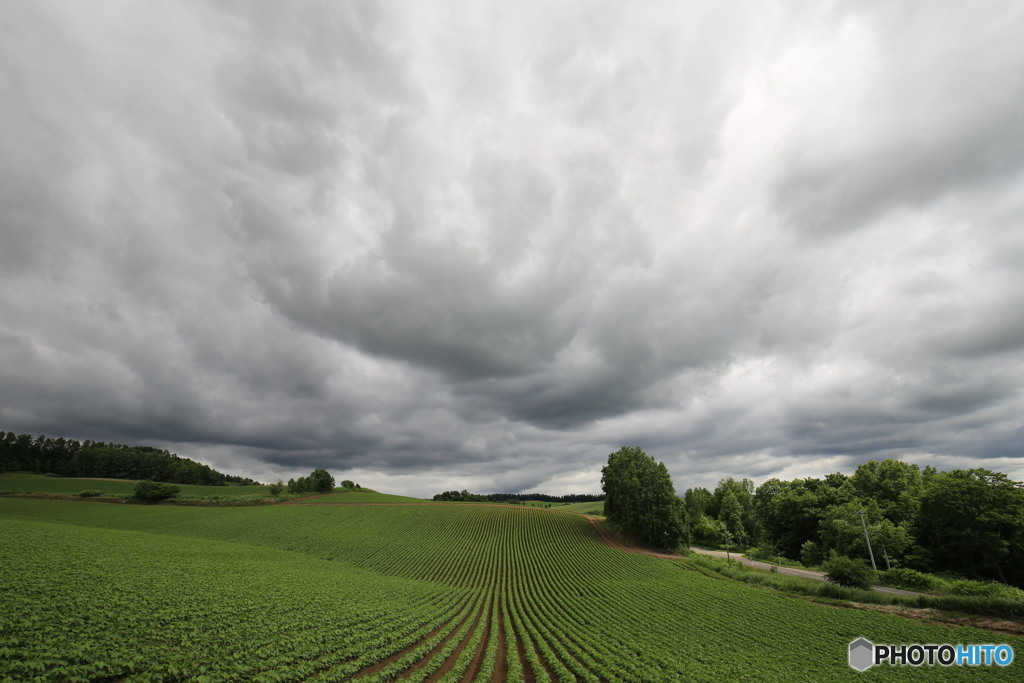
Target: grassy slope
(37, 483)
(584, 508)
(637, 616)
(360, 496)
(96, 603)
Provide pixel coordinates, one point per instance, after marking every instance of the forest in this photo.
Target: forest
(963, 522)
(71, 458)
(466, 496)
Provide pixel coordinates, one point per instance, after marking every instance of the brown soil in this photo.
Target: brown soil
(501, 661)
(524, 665)
(613, 540)
(1013, 628)
(384, 663)
(449, 663)
(481, 648)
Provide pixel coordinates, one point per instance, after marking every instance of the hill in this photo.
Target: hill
(71, 458)
(475, 592)
(37, 483)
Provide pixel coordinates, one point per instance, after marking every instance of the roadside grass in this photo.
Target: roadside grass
(763, 555)
(1004, 605)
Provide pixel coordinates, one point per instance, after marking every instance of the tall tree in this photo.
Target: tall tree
(742, 523)
(896, 486)
(730, 513)
(640, 500)
(972, 522)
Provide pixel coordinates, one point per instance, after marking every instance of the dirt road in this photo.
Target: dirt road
(792, 571)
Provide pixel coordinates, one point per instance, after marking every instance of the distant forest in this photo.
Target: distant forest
(502, 497)
(71, 458)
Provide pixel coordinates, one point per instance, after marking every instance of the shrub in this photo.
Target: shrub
(909, 579)
(849, 572)
(90, 493)
(153, 492)
(810, 554)
(276, 488)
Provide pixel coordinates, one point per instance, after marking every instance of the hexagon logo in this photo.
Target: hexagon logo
(862, 654)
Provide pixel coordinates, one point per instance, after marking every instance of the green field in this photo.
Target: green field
(594, 508)
(38, 483)
(339, 592)
(359, 496)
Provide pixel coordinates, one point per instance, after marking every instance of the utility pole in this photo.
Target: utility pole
(886, 556)
(867, 538)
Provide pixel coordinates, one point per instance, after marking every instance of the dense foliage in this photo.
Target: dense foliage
(317, 481)
(848, 571)
(969, 522)
(466, 496)
(71, 458)
(352, 592)
(463, 496)
(154, 492)
(640, 500)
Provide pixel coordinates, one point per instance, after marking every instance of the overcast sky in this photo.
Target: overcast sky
(481, 245)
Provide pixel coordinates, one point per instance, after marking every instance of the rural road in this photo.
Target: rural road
(792, 571)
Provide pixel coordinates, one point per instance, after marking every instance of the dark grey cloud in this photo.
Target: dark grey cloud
(434, 246)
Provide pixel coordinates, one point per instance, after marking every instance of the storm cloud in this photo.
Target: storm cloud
(482, 245)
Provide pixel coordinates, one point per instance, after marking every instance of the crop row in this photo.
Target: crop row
(441, 592)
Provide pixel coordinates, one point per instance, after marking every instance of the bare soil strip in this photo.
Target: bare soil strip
(449, 663)
(523, 662)
(1013, 628)
(540, 657)
(437, 648)
(501, 661)
(384, 663)
(481, 649)
(612, 540)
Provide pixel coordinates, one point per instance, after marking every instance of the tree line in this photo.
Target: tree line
(72, 458)
(466, 496)
(966, 522)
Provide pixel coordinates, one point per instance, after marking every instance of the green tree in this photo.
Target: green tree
(733, 503)
(698, 500)
(640, 500)
(789, 512)
(895, 486)
(154, 492)
(972, 522)
(841, 531)
(321, 480)
(845, 571)
(730, 514)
